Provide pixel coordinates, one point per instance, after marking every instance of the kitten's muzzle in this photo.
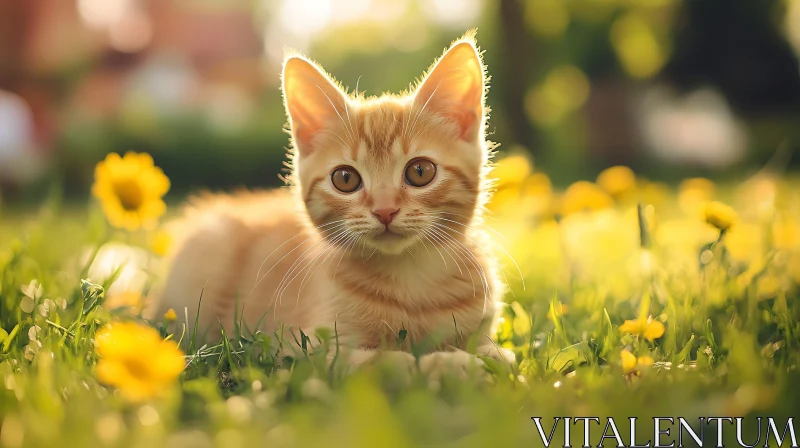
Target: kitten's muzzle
(386, 215)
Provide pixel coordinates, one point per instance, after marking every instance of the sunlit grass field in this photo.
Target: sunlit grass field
(627, 298)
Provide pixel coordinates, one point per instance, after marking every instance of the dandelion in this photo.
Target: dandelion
(719, 215)
(633, 365)
(651, 329)
(170, 315)
(511, 171)
(538, 184)
(134, 359)
(617, 181)
(537, 190)
(130, 190)
(584, 196)
(698, 184)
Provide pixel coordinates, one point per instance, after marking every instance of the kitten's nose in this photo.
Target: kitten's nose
(385, 215)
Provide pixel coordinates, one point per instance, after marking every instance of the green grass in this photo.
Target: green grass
(729, 350)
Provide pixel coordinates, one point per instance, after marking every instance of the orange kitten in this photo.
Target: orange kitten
(380, 232)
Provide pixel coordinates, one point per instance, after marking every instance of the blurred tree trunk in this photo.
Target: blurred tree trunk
(516, 51)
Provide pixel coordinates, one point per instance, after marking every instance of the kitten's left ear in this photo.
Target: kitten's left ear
(454, 88)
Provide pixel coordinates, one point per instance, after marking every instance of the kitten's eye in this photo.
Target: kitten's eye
(420, 172)
(346, 179)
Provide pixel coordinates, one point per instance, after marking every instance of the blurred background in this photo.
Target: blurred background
(669, 87)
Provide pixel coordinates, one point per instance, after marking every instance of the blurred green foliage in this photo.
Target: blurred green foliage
(566, 80)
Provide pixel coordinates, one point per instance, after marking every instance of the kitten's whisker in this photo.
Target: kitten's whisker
(482, 225)
(482, 273)
(347, 111)
(261, 266)
(336, 269)
(346, 127)
(344, 143)
(519, 271)
(447, 228)
(429, 236)
(305, 265)
(419, 113)
(474, 261)
(435, 235)
(332, 249)
(424, 245)
(448, 242)
(298, 262)
(311, 268)
(427, 126)
(391, 330)
(261, 278)
(450, 248)
(327, 254)
(325, 242)
(329, 223)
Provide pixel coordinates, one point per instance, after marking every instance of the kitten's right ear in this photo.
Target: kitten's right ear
(312, 100)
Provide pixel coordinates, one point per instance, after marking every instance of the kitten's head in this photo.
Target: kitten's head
(393, 171)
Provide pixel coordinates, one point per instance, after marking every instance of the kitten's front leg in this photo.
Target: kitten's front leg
(487, 346)
(496, 352)
(458, 362)
(433, 365)
(397, 360)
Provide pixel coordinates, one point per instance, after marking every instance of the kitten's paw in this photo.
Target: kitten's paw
(458, 363)
(397, 361)
(495, 352)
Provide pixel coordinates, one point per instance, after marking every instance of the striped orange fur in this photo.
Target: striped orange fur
(390, 255)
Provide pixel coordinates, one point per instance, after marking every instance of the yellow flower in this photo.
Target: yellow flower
(617, 180)
(697, 184)
(719, 215)
(632, 364)
(694, 193)
(653, 193)
(130, 190)
(651, 329)
(134, 359)
(537, 194)
(511, 171)
(170, 315)
(160, 243)
(584, 196)
(538, 184)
